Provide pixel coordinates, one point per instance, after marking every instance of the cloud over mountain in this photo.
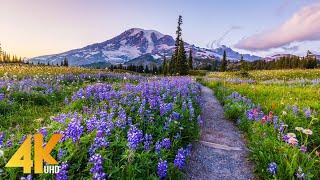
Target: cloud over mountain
(304, 25)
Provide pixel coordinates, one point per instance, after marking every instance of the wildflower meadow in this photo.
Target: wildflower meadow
(279, 113)
(113, 125)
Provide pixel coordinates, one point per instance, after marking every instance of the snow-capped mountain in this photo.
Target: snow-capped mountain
(132, 44)
(277, 56)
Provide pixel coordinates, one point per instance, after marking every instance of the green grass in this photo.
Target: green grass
(277, 97)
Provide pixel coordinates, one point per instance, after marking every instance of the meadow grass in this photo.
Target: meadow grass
(285, 108)
(261, 75)
(21, 70)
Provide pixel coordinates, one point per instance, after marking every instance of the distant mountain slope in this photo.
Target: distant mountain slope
(144, 60)
(132, 44)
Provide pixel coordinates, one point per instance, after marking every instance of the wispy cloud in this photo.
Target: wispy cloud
(218, 41)
(304, 25)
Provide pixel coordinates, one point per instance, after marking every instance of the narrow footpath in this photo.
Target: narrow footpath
(220, 153)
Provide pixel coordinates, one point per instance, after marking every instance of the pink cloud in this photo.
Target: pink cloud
(304, 25)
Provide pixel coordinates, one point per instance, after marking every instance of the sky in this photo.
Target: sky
(37, 27)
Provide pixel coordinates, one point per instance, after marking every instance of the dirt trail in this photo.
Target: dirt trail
(221, 152)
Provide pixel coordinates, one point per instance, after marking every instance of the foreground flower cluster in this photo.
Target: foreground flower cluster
(137, 130)
(124, 130)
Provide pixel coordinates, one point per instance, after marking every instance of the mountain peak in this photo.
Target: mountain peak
(131, 44)
(134, 31)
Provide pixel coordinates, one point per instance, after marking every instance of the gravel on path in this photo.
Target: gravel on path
(221, 152)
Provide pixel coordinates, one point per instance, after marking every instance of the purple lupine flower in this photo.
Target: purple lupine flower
(158, 147)
(295, 109)
(61, 118)
(105, 126)
(97, 169)
(43, 131)
(9, 143)
(63, 173)
(61, 153)
(184, 106)
(180, 159)
(300, 174)
(307, 112)
(129, 121)
(2, 136)
(162, 169)
(66, 101)
(135, 136)
(74, 129)
(250, 115)
(275, 122)
(91, 123)
(29, 177)
(272, 168)
(147, 141)
(2, 96)
(175, 115)
(282, 127)
(99, 142)
(166, 143)
(285, 138)
(121, 120)
(22, 139)
(165, 107)
(303, 148)
(191, 109)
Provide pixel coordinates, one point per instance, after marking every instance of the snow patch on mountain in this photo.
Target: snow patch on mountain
(132, 44)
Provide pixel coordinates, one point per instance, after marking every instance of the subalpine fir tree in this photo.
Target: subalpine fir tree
(65, 62)
(224, 62)
(243, 64)
(175, 56)
(190, 60)
(182, 64)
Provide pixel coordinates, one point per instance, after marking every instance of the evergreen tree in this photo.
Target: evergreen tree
(164, 65)
(65, 62)
(146, 70)
(224, 62)
(190, 60)
(243, 64)
(182, 64)
(175, 56)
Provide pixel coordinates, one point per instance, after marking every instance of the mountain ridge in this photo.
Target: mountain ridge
(132, 44)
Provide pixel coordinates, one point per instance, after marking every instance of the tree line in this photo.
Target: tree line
(5, 57)
(138, 68)
(64, 62)
(289, 62)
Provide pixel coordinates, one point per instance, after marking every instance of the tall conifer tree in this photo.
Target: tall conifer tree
(224, 62)
(190, 60)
